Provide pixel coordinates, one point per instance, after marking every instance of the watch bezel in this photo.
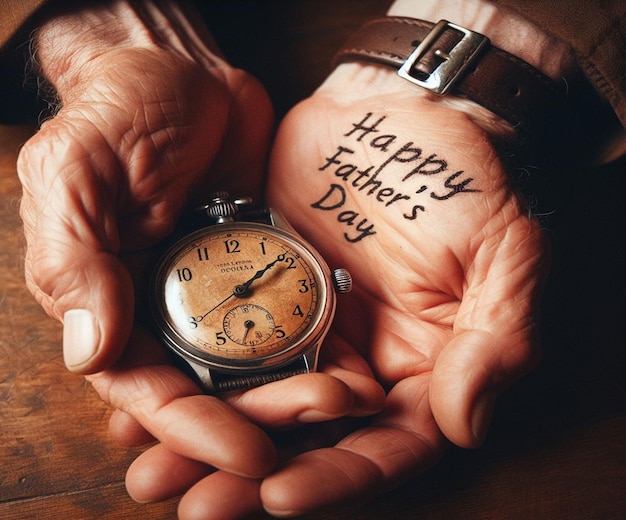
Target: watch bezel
(312, 335)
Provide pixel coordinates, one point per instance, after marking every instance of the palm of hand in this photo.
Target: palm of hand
(446, 268)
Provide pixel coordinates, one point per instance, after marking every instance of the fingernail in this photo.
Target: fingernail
(80, 337)
(481, 416)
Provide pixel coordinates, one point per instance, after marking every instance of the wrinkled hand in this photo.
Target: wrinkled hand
(151, 119)
(214, 450)
(411, 197)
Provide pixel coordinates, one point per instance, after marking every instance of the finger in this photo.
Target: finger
(167, 405)
(345, 386)
(158, 474)
(71, 264)
(469, 375)
(368, 396)
(403, 441)
(221, 495)
(495, 337)
(299, 399)
(341, 361)
(126, 431)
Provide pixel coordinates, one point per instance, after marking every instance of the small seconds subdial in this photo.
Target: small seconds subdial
(249, 325)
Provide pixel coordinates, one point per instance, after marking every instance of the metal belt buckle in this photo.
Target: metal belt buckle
(455, 62)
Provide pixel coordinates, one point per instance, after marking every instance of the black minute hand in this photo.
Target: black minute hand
(241, 290)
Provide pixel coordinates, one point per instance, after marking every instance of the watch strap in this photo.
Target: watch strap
(446, 58)
(215, 381)
(225, 382)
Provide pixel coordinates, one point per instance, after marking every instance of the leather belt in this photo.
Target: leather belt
(446, 58)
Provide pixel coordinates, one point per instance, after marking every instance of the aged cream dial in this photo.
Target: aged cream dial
(239, 293)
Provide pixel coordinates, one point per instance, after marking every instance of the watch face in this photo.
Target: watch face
(240, 296)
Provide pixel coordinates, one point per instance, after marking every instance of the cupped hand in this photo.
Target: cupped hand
(409, 194)
(216, 450)
(150, 120)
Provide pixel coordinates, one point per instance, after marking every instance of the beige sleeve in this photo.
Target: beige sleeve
(597, 33)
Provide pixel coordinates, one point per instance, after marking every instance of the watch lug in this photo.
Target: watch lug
(204, 375)
(277, 219)
(310, 357)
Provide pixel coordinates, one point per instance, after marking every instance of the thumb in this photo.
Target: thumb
(97, 317)
(467, 378)
(71, 265)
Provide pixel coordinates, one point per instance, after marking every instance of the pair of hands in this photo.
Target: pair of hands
(405, 192)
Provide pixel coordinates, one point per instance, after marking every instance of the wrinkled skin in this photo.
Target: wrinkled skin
(442, 310)
(151, 133)
(443, 304)
(440, 321)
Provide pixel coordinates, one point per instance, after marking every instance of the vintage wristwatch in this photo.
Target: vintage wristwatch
(244, 300)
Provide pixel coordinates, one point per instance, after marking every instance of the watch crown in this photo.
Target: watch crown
(222, 208)
(342, 281)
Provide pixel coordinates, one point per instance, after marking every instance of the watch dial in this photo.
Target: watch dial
(239, 292)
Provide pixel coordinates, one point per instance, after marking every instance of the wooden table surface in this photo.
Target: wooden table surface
(557, 446)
